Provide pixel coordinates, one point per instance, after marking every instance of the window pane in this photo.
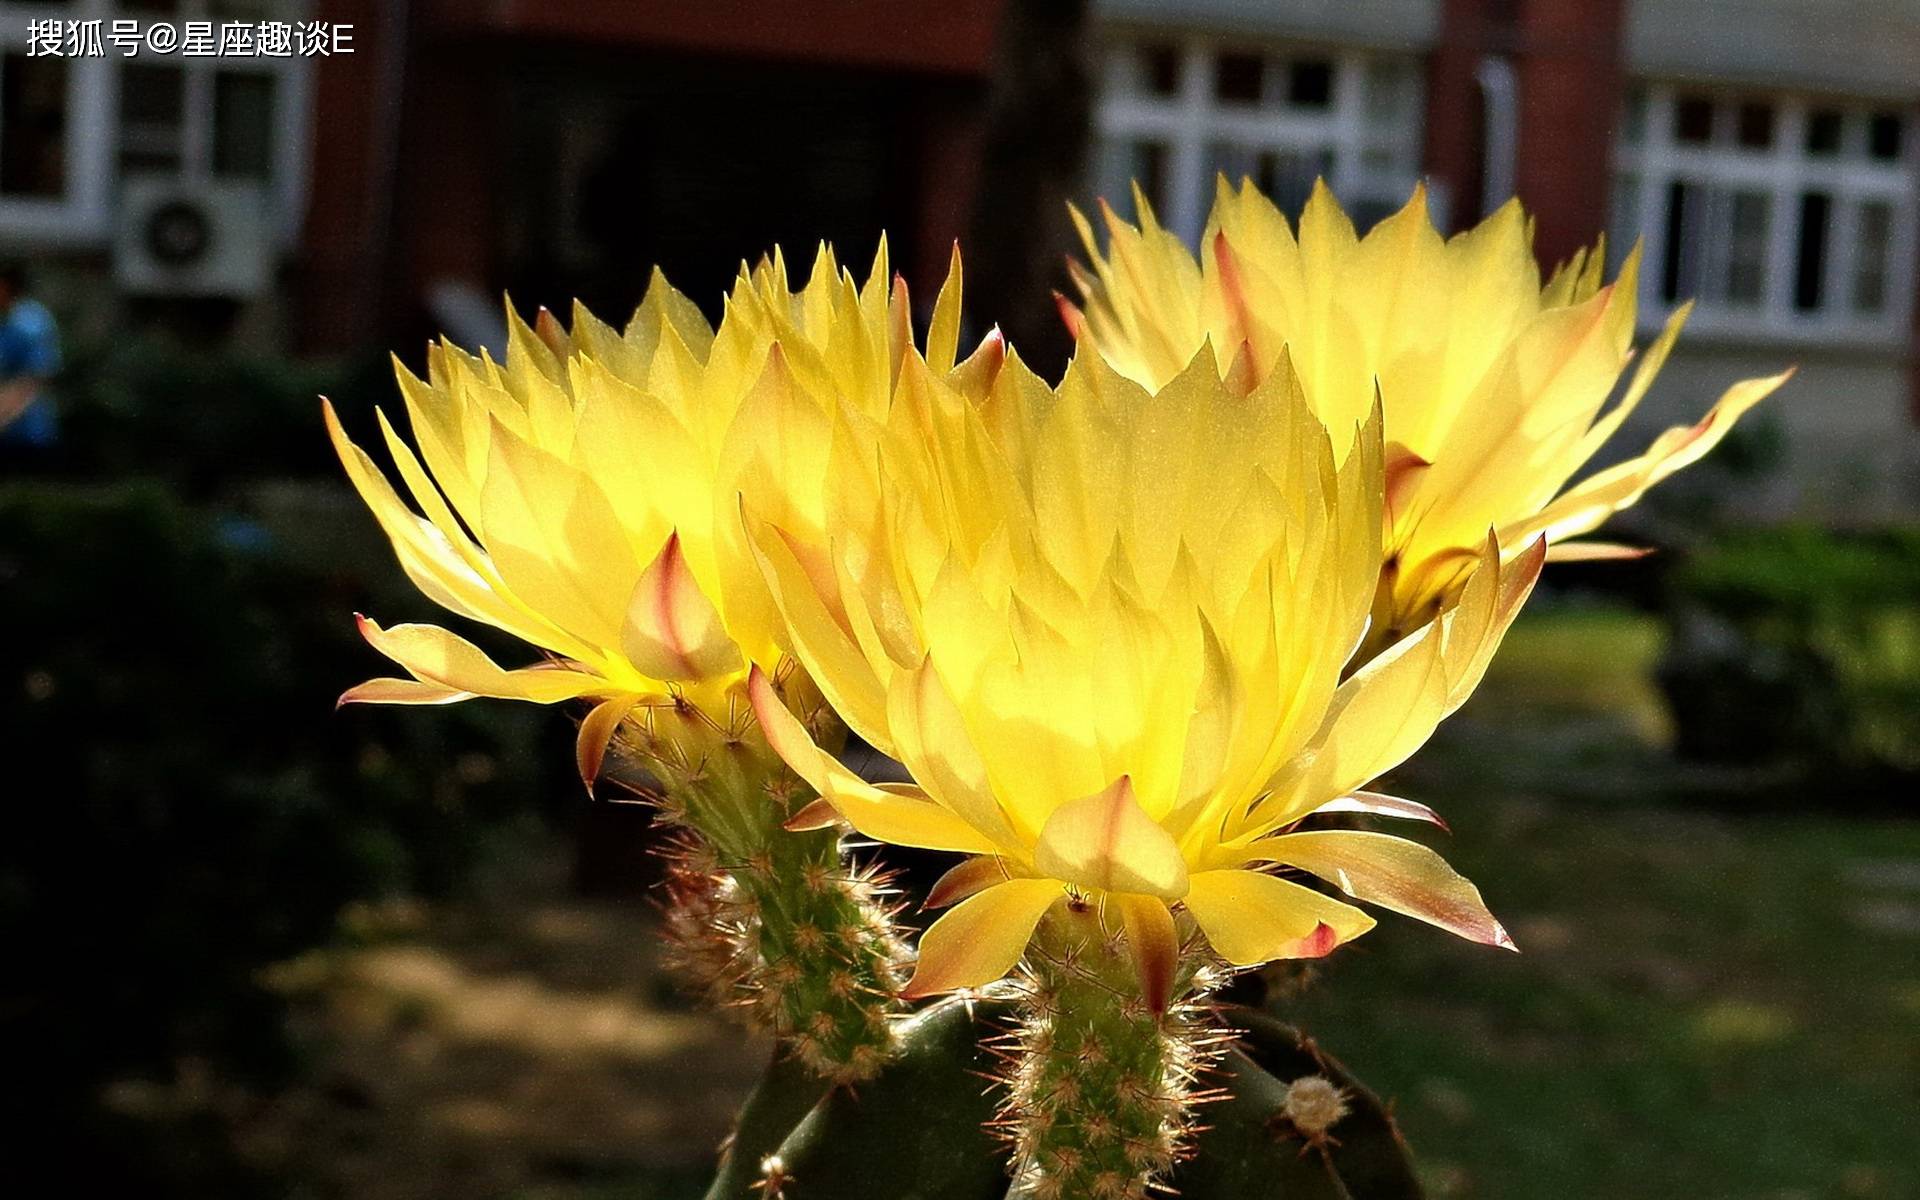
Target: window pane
(152, 105)
(1756, 125)
(1390, 88)
(33, 126)
(1810, 275)
(1310, 84)
(1883, 136)
(1236, 78)
(1633, 124)
(1871, 250)
(1151, 70)
(1747, 221)
(1693, 120)
(1686, 225)
(1623, 224)
(1824, 127)
(243, 125)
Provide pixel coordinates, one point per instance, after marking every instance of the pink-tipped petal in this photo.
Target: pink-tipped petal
(966, 879)
(1566, 552)
(979, 940)
(1377, 804)
(596, 732)
(1154, 945)
(815, 814)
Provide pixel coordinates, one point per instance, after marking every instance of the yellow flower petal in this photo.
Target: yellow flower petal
(672, 631)
(1251, 917)
(981, 939)
(1392, 872)
(440, 657)
(1107, 842)
(1153, 944)
(904, 817)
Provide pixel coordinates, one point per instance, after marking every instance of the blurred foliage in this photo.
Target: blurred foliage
(186, 808)
(201, 420)
(1801, 646)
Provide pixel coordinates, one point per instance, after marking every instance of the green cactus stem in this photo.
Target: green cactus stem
(919, 1130)
(1101, 1087)
(786, 1093)
(1293, 1124)
(780, 925)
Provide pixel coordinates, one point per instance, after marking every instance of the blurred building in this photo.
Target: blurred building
(451, 148)
(1765, 152)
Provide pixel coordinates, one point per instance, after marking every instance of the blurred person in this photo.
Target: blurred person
(29, 358)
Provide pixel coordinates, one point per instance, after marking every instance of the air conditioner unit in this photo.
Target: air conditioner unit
(177, 237)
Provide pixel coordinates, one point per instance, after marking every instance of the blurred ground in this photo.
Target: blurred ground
(1709, 1003)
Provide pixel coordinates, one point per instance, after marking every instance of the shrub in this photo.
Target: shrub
(183, 808)
(1802, 647)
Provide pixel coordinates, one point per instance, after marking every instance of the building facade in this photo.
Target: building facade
(392, 185)
(1765, 154)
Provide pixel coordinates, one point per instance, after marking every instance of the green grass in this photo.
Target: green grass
(1703, 1006)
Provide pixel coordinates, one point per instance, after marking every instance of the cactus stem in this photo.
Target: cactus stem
(1100, 1086)
(777, 925)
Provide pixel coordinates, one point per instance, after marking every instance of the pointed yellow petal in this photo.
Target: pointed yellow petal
(1566, 552)
(1252, 918)
(438, 656)
(1153, 944)
(596, 731)
(1376, 804)
(980, 940)
(1394, 873)
(943, 332)
(672, 631)
(970, 876)
(401, 691)
(902, 817)
(1108, 843)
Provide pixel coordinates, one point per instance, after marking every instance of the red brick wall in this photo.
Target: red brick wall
(1567, 56)
(941, 36)
(1571, 81)
(337, 273)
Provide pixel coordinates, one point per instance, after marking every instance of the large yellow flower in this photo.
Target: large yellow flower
(1105, 631)
(584, 497)
(1494, 387)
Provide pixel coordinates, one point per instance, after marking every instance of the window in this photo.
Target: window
(72, 126)
(1172, 114)
(1778, 215)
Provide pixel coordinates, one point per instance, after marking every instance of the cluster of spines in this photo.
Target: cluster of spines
(1099, 1088)
(774, 924)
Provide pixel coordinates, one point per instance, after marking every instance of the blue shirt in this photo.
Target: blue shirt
(30, 345)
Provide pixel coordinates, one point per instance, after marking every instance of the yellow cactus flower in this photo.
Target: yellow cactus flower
(1105, 631)
(584, 496)
(1494, 387)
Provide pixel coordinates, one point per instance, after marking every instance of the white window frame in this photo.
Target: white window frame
(84, 217)
(1191, 119)
(1783, 172)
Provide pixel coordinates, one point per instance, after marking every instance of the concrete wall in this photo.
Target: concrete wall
(1842, 429)
(1856, 47)
(1388, 24)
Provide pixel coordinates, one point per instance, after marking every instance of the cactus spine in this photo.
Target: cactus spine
(779, 924)
(1101, 1087)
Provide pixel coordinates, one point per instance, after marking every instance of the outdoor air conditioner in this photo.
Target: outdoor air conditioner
(180, 237)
